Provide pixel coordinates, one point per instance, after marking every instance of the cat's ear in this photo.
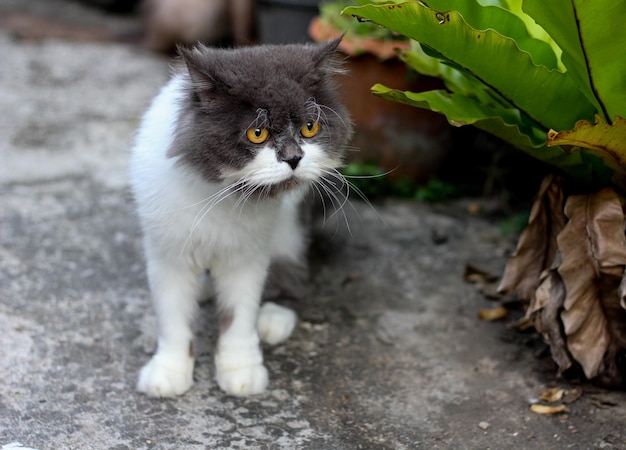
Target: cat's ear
(327, 57)
(197, 60)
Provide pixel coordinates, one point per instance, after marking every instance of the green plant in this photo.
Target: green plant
(330, 12)
(436, 191)
(549, 78)
(519, 70)
(371, 181)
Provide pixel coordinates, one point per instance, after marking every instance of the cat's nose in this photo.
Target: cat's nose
(293, 161)
(291, 153)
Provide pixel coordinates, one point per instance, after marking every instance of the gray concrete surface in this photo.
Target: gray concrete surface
(389, 353)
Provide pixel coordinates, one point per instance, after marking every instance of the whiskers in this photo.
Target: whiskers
(236, 199)
(336, 188)
(240, 191)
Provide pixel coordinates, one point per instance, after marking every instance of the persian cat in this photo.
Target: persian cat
(222, 160)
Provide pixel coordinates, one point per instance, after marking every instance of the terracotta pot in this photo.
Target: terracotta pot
(409, 142)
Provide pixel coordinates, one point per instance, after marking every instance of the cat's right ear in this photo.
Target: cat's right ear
(327, 57)
(202, 83)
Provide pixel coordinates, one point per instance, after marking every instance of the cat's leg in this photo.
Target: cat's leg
(238, 360)
(174, 290)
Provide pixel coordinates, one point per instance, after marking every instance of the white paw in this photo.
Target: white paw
(165, 376)
(243, 381)
(275, 323)
(239, 368)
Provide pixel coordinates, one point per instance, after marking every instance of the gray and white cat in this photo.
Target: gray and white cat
(222, 160)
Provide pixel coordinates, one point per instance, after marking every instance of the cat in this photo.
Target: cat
(222, 160)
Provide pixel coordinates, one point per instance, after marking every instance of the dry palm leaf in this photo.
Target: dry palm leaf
(593, 251)
(536, 249)
(570, 266)
(547, 303)
(621, 292)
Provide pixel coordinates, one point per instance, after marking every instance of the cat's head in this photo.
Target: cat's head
(266, 117)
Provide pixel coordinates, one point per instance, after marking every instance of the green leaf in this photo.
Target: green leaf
(425, 64)
(504, 22)
(548, 97)
(456, 80)
(591, 37)
(506, 124)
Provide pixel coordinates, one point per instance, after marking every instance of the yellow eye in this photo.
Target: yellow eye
(310, 129)
(257, 135)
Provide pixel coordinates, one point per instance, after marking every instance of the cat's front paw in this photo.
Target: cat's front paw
(275, 323)
(240, 370)
(243, 381)
(165, 376)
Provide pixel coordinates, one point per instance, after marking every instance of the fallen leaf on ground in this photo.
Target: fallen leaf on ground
(473, 274)
(572, 396)
(491, 314)
(602, 404)
(485, 282)
(552, 395)
(548, 410)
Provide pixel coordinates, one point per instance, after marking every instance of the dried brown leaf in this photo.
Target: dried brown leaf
(593, 250)
(522, 324)
(548, 410)
(473, 274)
(548, 303)
(485, 282)
(491, 314)
(536, 248)
(552, 395)
(541, 297)
(610, 374)
(572, 396)
(602, 402)
(621, 292)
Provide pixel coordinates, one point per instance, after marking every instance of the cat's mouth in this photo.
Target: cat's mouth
(272, 190)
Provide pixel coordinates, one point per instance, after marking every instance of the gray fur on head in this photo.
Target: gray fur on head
(276, 87)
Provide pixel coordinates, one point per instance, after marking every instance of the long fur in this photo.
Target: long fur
(210, 200)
